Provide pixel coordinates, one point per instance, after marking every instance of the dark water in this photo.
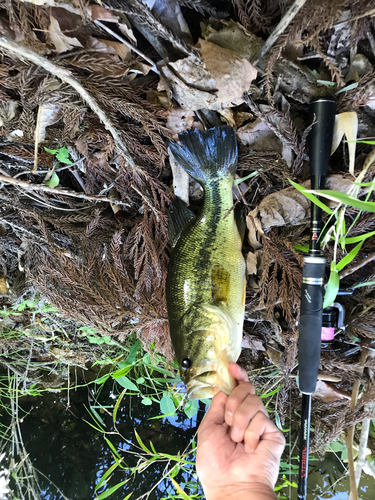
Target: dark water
(73, 456)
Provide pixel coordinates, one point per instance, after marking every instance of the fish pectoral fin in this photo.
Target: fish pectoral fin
(179, 217)
(220, 282)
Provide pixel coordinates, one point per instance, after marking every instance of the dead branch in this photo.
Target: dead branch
(280, 28)
(66, 76)
(27, 186)
(128, 44)
(357, 266)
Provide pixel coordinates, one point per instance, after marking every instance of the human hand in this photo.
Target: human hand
(239, 448)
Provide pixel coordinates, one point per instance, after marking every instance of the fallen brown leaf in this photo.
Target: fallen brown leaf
(328, 392)
(3, 285)
(62, 42)
(251, 263)
(120, 49)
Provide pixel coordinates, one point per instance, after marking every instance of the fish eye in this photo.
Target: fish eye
(186, 363)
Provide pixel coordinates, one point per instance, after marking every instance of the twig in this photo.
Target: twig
(36, 136)
(128, 44)
(280, 28)
(66, 76)
(56, 191)
(144, 198)
(350, 434)
(357, 266)
(354, 18)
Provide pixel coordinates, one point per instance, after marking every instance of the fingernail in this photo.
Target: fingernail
(248, 448)
(236, 434)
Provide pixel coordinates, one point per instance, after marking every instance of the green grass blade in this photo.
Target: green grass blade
(112, 448)
(367, 283)
(311, 197)
(346, 199)
(109, 492)
(105, 476)
(357, 239)
(332, 286)
(349, 257)
(141, 444)
(119, 399)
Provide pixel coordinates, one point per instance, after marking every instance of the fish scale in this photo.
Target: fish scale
(206, 274)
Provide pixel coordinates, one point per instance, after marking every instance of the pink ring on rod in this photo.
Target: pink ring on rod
(328, 334)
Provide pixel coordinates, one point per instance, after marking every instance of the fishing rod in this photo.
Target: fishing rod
(322, 112)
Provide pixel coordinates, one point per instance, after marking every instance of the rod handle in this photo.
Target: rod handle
(322, 112)
(310, 326)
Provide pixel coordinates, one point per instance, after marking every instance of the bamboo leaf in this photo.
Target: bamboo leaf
(346, 199)
(311, 197)
(179, 489)
(119, 399)
(140, 442)
(349, 257)
(109, 492)
(367, 283)
(332, 286)
(112, 448)
(105, 476)
(357, 239)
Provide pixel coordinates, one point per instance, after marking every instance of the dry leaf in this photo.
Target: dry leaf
(180, 179)
(250, 342)
(114, 194)
(328, 392)
(179, 120)
(234, 36)
(232, 73)
(254, 226)
(251, 263)
(122, 50)
(48, 114)
(7, 111)
(62, 42)
(346, 123)
(3, 285)
(102, 14)
(257, 135)
(217, 84)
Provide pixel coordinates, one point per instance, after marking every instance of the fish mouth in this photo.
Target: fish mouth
(207, 383)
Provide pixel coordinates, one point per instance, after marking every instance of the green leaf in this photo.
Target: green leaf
(115, 452)
(271, 393)
(174, 471)
(302, 248)
(54, 180)
(236, 182)
(140, 380)
(109, 492)
(141, 444)
(326, 83)
(104, 477)
(367, 142)
(133, 353)
(332, 286)
(337, 446)
(180, 490)
(311, 197)
(356, 239)
(191, 408)
(51, 151)
(167, 405)
(115, 410)
(63, 156)
(206, 401)
(348, 258)
(146, 401)
(346, 199)
(348, 87)
(128, 384)
(366, 283)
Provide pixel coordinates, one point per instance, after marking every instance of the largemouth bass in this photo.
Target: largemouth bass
(206, 276)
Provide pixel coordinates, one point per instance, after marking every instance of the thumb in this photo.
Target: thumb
(238, 373)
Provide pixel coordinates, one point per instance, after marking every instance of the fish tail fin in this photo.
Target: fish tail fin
(207, 155)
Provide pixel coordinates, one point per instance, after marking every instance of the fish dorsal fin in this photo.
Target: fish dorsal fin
(179, 217)
(220, 282)
(240, 219)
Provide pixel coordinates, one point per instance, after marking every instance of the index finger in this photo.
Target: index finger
(216, 412)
